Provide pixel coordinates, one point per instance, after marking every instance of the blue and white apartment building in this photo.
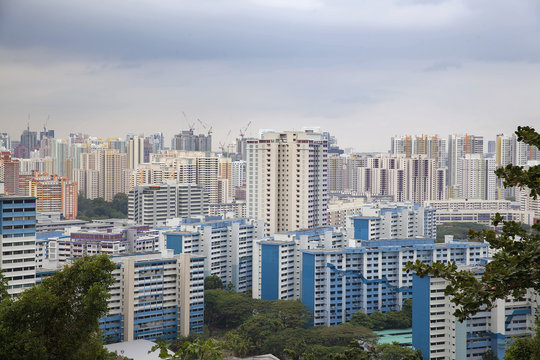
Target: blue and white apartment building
(440, 335)
(18, 242)
(155, 296)
(338, 273)
(225, 244)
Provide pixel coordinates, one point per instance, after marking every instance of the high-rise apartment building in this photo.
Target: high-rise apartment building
(5, 142)
(102, 174)
(476, 178)
(439, 335)
(151, 204)
(433, 147)
(18, 242)
(225, 244)
(287, 180)
(9, 174)
(54, 194)
(186, 140)
(458, 147)
(135, 152)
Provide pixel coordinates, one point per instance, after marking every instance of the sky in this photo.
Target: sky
(363, 70)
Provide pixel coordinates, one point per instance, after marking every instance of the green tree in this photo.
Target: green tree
(227, 309)
(199, 349)
(489, 355)
(292, 313)
(58, 318)
(525, 348)
(516, 263)
(213, 282)
(120, 203)
(396, 352)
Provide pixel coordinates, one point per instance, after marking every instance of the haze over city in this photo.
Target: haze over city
(408, 67)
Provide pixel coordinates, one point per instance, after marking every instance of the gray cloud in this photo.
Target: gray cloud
(355, 67)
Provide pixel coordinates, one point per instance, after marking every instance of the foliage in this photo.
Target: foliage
(401, 319)
(101, 209)
(58, 318)
(460, 230)
(227, 309)
(525, 348)
(515, 265)
(199, 349)
(396, 352)
(489, 355)
(213, 282)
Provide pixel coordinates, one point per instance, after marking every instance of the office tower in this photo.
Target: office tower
(225, 244)
(28, 141)
(287, 180)
(151, 204)
(5, 142)
(54, 194)
(438, 334)
(102, 174)
(458, 147)
(135, 152)
(476, 178)
(155, 296)
(18, 242)
(186, 140)
(9, 174)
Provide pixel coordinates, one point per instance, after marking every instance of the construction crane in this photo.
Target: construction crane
(205, 126)
(222, 144)
(243, 130)
(190, 125)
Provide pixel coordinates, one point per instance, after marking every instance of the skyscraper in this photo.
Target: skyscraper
(287, 180)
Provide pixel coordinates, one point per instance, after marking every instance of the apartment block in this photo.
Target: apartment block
(54, 194)
(287, 180)
(18, 242)
(155, 296)
(336, 283)
(277, 261)
(440, 335)
(152, 204)
(225, 244)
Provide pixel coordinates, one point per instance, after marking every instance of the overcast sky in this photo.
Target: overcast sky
(364, 70)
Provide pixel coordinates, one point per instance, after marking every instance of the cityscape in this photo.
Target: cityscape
(265, 179)
(285, 216)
